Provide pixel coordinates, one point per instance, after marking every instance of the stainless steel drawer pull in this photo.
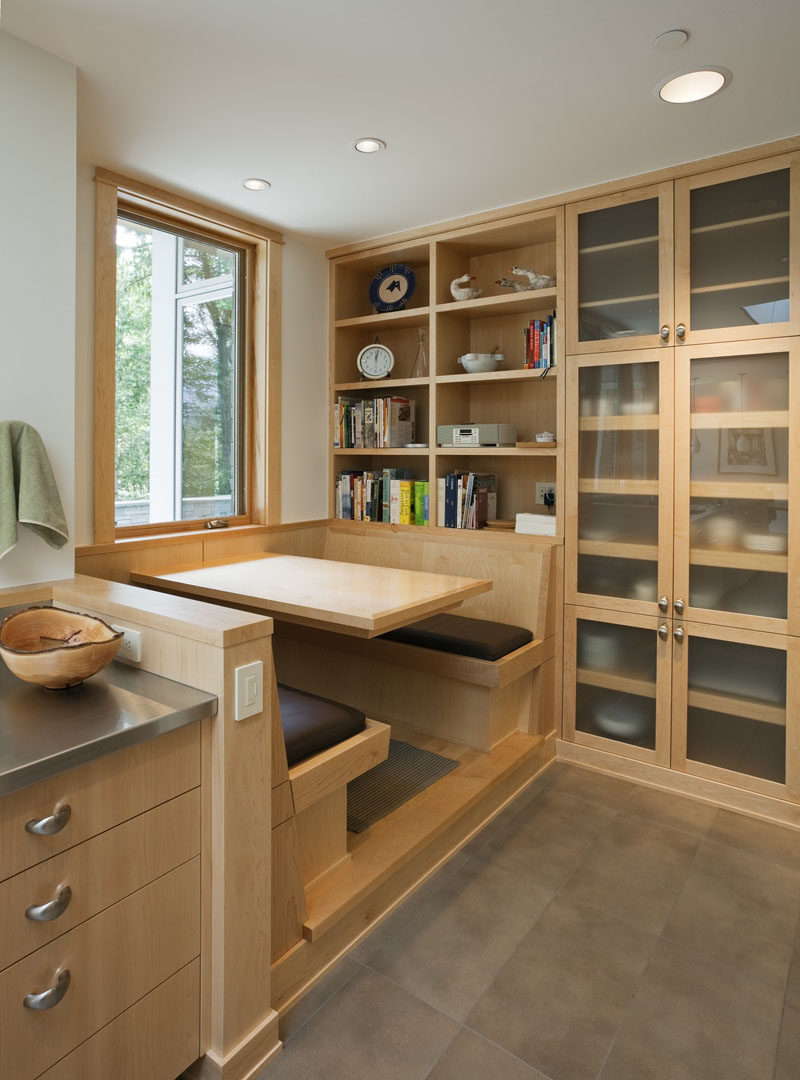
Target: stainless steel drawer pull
(51, 909)
(49, 998)
(50, 825)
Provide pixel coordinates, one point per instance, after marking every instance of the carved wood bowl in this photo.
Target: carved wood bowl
(56, 648)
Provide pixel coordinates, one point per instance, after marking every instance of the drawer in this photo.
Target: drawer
(113, 960)
(157, 1038)
(100, 795)
(98, 873)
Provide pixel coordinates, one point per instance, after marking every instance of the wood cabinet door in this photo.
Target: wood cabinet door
(620, 271)
(617, 676)
(619, 465)
(737, 252)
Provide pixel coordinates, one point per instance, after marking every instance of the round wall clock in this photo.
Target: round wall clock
(391, 288)
(375, 361)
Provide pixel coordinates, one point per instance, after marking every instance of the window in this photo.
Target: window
(186, 329)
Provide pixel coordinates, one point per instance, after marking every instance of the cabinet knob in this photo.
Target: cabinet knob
(663, 604)
(51, 909)
(678, 605)
(680, 330)
(50, 997)
(50, 825)
(663, 632)
(678, 634)
(664, 332)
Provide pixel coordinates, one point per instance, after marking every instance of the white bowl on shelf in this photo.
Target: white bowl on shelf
(638, 408)
(625, 718)
(599, 647)
(545, 436)
(766, 543)
(474, 363)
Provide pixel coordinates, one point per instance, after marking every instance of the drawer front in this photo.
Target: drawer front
(113, 960)
(96, 874)
(157, 1038)
(100, 795)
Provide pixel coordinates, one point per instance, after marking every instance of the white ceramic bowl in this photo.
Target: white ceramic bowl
(545, 436)
(475, 362)
(625, 718)
(772, 543)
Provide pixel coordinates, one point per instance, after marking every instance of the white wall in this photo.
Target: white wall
(37, 277)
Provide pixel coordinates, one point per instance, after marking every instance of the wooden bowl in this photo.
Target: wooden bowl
(56, 648)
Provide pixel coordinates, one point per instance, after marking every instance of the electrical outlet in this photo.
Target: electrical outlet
(131, 645)
(545, 489)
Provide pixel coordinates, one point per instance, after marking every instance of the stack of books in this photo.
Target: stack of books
(536, 524)
(391, 496)
(540, 343)
(466, 500)
(372, 423)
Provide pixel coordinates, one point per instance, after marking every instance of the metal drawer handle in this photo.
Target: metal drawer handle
(50, 825)
(51, 909)
(49, 998)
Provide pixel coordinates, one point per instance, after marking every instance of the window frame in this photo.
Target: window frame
(261, 249)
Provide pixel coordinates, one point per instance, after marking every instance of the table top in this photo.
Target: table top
(350, 598)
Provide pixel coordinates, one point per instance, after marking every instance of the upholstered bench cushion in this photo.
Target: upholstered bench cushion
(312, 723)
(481, 638)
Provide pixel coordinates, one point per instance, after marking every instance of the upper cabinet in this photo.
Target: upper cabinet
(724, 267)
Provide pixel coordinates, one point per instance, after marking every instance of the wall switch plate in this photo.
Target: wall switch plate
(542, 490)
(131, 645)
(249, 690)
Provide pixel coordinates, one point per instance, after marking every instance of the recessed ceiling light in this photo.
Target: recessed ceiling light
(369, 146)
(255, 184)
(693, 85)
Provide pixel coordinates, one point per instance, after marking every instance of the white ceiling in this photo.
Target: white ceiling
(482, 104)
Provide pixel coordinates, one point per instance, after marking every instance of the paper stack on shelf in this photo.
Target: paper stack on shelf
(536, 524)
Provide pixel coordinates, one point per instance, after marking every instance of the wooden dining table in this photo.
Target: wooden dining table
(349, 598)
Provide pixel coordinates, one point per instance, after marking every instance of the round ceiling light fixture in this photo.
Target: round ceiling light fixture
(693, 85)
(255, 183)
(369, 145)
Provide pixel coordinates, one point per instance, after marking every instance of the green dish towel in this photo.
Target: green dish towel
(28, 491)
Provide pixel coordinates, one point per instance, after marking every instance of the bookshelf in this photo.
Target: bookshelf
(442, 392)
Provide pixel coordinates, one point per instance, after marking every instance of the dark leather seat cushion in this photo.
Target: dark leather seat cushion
(312, 723)
(481, 638)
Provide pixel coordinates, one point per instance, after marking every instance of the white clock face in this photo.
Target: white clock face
(375, 361)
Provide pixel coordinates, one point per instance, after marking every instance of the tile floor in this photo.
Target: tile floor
(596, 929)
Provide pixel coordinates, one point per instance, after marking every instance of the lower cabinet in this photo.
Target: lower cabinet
(704, 700)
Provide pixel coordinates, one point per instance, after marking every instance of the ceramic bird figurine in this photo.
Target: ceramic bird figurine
(535, 281)
(459, 289)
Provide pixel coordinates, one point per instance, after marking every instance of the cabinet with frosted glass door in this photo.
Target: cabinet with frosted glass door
(619, 485)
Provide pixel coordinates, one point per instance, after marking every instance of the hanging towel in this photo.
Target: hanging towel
(28, 491)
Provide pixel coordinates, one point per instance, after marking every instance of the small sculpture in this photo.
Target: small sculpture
(535, 281)
(466, 293)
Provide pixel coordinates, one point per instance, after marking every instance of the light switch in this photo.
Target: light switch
(249, 690)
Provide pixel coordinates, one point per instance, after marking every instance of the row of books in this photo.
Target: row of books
(388, 495)
(540, 342)
(372, 423)
(466, 500)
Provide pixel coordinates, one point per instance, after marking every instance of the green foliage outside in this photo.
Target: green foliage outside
(134, 278)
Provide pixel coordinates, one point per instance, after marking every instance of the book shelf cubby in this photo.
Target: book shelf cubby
(443, 393)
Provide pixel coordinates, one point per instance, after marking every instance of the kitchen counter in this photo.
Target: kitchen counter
(45, 732)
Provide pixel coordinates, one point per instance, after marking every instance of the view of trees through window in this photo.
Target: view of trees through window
(177, 377)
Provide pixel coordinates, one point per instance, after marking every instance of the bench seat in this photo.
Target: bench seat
(482, 639)
(312, 723)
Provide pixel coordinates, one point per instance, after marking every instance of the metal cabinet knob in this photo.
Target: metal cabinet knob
(52, 824)
(664, 332)
(680, 330)
(663, 604)
(50, 909)
(50, 997)
(663, 632)
(678, 634)
(678, 605)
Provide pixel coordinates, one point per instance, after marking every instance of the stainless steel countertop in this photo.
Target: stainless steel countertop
(45, 732)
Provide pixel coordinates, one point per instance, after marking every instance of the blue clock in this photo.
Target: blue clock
(392, 287)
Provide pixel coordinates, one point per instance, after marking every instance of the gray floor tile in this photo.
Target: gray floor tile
(740, 909)
(688, 815)
(776, 842)
(469, 1057)
(450, 951)
(788, 1065)
(559, 1000)
(635, 871)
(694, 1018)
(548, 838)
(333, 981)
(369, 1029)
(593, 786)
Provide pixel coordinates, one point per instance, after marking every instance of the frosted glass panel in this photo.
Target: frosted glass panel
(616, 682)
